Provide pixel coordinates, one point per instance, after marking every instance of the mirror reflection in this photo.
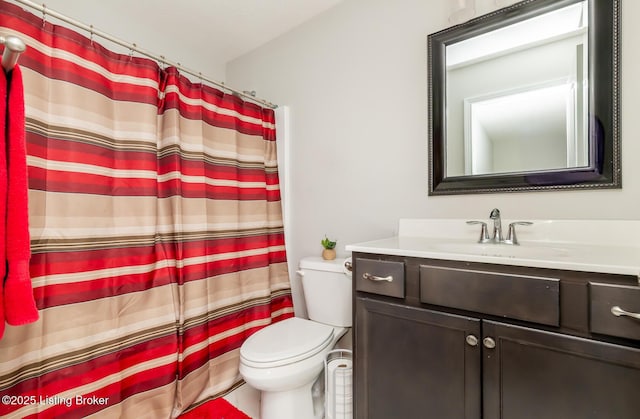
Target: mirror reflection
(517, 96)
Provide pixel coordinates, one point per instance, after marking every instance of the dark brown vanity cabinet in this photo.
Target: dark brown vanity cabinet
(411, 361)
(532, 374)
(468, 340)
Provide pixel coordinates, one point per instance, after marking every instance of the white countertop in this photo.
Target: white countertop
(579, 245)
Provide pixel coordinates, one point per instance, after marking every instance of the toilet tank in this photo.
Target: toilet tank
(327, 290)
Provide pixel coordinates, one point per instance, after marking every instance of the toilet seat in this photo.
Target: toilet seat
(285, 342)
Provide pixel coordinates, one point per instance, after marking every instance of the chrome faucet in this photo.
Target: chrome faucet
(497, 225)
(497, 230)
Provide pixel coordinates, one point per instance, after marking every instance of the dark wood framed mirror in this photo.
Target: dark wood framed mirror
(526, 98)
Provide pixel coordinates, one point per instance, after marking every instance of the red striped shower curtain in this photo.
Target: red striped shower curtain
(156, 233)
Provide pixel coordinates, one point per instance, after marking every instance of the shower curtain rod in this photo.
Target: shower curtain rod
(133, 47)
(13, 47)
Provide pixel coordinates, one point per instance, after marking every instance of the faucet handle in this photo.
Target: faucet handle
(484, 233)
(511, 235)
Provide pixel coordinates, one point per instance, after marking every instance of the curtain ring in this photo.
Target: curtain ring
(44, 14)
(131, 51)
(91, 34)
(201, 80)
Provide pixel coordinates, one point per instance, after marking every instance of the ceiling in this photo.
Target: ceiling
(229, 27)
(224, 28)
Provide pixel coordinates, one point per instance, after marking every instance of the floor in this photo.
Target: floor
(247, 399)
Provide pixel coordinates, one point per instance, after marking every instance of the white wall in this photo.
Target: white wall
(355, 79)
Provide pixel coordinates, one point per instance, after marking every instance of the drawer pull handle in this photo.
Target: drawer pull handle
(617, 311)
(370, 277)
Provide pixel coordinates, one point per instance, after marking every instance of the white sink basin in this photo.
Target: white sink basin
(502, 250)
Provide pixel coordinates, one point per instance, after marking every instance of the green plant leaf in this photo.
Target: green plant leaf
(328, 244)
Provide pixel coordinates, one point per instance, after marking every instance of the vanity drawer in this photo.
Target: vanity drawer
(603, 298)
(522, 297)
(381, 277)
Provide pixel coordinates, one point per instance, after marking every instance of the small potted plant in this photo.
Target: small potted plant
(329, 252)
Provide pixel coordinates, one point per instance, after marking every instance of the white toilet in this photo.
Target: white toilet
(284, 359)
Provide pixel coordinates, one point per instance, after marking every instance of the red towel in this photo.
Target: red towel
(19, 304)
(3, 190)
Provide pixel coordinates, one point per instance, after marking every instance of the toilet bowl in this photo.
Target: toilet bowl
(284, 359)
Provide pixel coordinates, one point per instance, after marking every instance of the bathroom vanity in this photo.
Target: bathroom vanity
(448, 328)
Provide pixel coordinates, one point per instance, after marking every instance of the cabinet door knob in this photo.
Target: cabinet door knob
(472, 340)
(370, 277)
(618, 311)
(489, 343)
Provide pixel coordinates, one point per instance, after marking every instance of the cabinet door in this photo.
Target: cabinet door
(415, 363)
(532, 374)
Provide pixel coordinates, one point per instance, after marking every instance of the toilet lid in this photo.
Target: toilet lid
(286, 339)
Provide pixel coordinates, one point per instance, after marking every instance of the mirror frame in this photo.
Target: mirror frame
(603, 170)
